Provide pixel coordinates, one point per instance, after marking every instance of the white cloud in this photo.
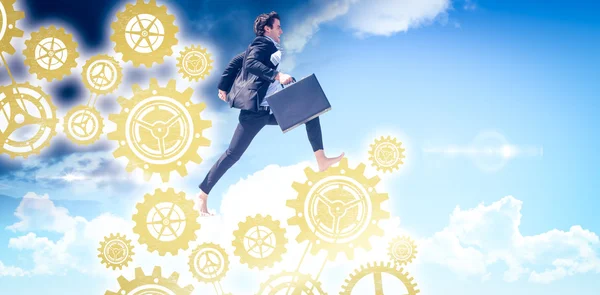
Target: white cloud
(11, 271)
(384, 17)
(39, 212)
(477, 238)
(372, 17)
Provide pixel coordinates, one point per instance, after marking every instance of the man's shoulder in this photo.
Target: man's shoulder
(262, 40)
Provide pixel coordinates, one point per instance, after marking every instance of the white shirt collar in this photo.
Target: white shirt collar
(276, 44)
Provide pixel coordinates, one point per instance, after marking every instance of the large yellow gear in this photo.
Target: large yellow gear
(102, 74)
(154, 284)
(194, 63)
(386, 154)
(159, 130)
(23, 106)
(144, 33)
(209, 263)
(83, 125)
(166, 221)
(259, 241)
(377, 269)
(51, 53)
(115, 251)
(402, 250)
(338, 210)
(8, 27)
(293, 283)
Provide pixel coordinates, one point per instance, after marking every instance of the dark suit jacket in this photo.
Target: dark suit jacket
(260, 71)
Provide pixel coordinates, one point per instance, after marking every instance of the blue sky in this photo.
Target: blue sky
(524, 72)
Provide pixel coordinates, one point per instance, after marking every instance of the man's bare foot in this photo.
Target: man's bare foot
(203, 204)
(325, 162)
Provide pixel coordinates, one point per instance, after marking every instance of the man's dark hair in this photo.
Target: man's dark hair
(264, 20)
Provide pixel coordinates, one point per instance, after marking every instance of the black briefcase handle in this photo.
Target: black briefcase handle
(293, 80)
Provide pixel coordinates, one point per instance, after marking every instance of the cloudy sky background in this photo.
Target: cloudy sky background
(450, 79)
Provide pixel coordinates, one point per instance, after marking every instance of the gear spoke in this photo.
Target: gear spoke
(325, 200)
(143, 123)
(378, 283)
(173, 120)
(352, 204)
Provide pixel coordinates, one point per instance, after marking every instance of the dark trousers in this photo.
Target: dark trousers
(250, 123)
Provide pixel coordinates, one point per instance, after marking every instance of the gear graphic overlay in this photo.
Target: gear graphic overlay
(102, 74)
(144, 33)
(166, 221)
(83, 125)
(209, 263)
(50, 53)
(402, 250)
(159, 130)
(259, 241)
(297, 283)
(27, 120)
(338, 210)
(194, 63)
(8, 28)
(115, 251)
(360, 282)
(386, 154)
(154, 284)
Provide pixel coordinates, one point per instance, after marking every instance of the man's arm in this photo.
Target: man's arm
(254, 64)
(228, 76)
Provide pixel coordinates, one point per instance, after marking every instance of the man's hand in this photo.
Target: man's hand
(284, 78)
(223, 95)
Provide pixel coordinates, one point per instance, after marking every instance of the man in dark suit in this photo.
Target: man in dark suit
(264, 56)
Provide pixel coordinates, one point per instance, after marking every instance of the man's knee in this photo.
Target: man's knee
(233, 155)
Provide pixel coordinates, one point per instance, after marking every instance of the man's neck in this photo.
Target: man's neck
(272, 40)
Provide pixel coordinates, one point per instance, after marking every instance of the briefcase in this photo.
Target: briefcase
(298, 103)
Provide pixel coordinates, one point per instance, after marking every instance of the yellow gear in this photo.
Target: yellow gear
(144, 33)
(23, 105)
(159, 130)
(102, 74)
(8, 27)
(259, 241)
(194, 63)
(377, 269)
(386, 154)
(338, 210)
(152, 284)
(166, 221)
(209, 263)
(50, 53)
(116, 251)
(291, 283)
(402, 250)
(83, 125)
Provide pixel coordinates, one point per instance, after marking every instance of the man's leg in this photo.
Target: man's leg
(315, 137)
(246, 130)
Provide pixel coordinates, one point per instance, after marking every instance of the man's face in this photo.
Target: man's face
(275, 32)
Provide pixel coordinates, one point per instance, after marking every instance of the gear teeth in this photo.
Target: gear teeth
(172, 86)
(165, 175)
(123, 281)
(136, 88)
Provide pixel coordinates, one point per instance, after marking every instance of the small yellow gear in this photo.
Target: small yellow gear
(259, 241)
(144, 33)
(166, 221)
(116, 251)
(159, 130)
(51, 53)
(194, 63)
(377, 269)
(83, 125)
(209, 263)
(102, 74)
(22, 106)
(402, 250)
(291, 283)
(386, 154)
(152, 284)
(338, 210)
(8, 27)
